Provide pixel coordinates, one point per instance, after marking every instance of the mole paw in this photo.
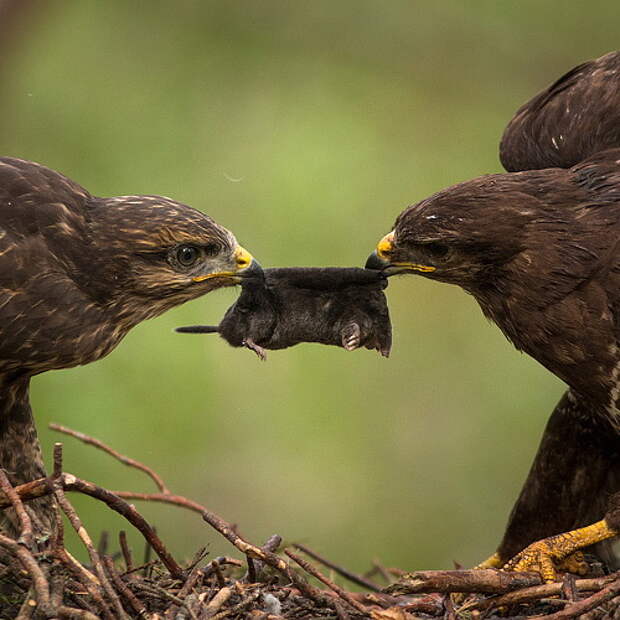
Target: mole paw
(351, 336)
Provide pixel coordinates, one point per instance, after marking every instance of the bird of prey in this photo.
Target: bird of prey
(77, 272)
(280, 308)
(539, 249)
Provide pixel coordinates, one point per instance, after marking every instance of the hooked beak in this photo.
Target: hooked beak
(244, 266)
(247, 265)
(381, 260)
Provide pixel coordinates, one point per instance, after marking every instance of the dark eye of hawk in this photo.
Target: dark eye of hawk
(187, 255)
(436, 250)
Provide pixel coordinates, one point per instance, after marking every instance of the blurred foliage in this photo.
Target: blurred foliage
(305, 128)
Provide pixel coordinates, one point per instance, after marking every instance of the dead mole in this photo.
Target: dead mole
(279, 308)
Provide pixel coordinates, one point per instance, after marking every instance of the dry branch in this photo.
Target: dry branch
(87, 439)
(328, 582)
(343, 572)
(488, 581)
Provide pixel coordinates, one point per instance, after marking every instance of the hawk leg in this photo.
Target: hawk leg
(545, 555)
(576, 470)
(20, 457)
(575, 563)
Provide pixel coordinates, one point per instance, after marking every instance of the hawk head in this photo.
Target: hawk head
(533, 237)
(78, 271)
(153, 251)
(462, 235)
(537, 249)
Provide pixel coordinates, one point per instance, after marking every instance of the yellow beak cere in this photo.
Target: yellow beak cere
(384, 247)
(243, 258)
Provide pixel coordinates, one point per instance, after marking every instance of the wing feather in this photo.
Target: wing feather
(574, 118)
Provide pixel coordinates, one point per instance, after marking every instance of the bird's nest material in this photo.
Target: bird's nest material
(265, 585)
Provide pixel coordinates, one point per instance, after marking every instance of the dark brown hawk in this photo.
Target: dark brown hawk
(77, 272)
(539, 250)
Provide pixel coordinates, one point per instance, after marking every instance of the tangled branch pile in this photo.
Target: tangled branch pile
(51, 583)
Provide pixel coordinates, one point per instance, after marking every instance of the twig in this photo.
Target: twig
(449, 607)
(195, 575)
(165, 498)
(235, 609)
(330, 584)
(38, 488)
(218, 573)
(272, 543)
(220, 598)
(28, 491)
(102, 545)
(117, 504)
(199, 556)
(220, 561)
(535, 593)
(148, 550)
(343, 572)
(25, 537)
(377, 567)
(192, 580)
(341, 612)
(39, 580)
(568, 587)
(251, 570)
(85, 578)
(117, 455)
(136, 604)
(57, 583)
(26, 610)
(587, 604)
(79, 614)
(122, 539)
(135, 569)
(271, 546)
(153, 588)
(488, 581)
(57, 460)
(76, 522)
(431, 604)
(226, 530)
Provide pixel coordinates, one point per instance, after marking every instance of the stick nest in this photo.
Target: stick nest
(46, 581)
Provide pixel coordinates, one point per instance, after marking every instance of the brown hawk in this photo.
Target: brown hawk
(539, 249)
(77, 272)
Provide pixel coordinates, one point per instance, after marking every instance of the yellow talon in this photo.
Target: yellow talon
(544, 556)
(575, 563)
(537, 558)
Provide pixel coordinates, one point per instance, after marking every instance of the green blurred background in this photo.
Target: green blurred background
(305, 128)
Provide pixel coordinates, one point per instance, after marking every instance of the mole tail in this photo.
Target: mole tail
(198, 329)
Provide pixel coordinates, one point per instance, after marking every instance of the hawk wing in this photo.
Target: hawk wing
(41, 213)
(577, 116)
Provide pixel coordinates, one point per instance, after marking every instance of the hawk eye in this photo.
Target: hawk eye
(436, 250)
(187, 255)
